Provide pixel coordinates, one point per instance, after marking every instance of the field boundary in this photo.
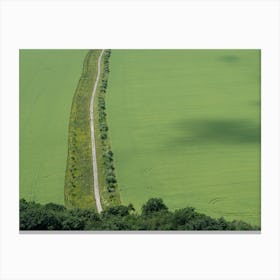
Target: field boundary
(90, 180)
(108, 185)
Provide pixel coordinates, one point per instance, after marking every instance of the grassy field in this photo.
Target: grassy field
(185, 126)
(48, 79)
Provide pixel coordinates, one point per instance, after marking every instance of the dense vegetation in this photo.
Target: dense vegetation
(154, 216)
(79, 174)
(107, 176)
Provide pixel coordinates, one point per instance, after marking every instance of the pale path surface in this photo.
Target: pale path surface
(93, 149)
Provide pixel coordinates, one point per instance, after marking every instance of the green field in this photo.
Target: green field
(48, 79)
(185, 126)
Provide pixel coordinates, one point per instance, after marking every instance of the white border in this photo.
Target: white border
(156, 24)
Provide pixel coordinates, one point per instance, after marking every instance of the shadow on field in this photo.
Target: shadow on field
(229, 58)
(256, 103)
(217, 131)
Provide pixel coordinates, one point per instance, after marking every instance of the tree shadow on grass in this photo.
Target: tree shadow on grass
(256, 103)
(217, 131)
(229, 58)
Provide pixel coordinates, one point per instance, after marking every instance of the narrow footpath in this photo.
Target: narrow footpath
(93, 146)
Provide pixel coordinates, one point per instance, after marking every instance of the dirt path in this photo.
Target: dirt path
(93, 149)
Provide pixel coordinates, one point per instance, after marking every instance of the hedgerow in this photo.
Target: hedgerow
(110, 196)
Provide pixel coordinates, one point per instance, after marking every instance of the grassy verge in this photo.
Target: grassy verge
(106, 170)
(78, 189)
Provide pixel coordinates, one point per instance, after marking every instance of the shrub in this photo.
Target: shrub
(153, 205)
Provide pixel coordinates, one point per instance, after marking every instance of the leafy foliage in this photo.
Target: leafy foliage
(154, 216)
(107, 154)
(153, 205)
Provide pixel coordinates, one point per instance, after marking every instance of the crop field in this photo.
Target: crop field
(48, 79)
(185, 126)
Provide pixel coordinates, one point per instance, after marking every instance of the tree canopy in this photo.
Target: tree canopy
(154, 216)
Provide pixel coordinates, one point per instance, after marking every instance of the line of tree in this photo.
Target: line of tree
(107, 154)
(154, 215)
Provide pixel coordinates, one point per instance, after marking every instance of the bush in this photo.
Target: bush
(103, 135)
(73, 223)
(119, 210)
(153, 205)
(110, 179)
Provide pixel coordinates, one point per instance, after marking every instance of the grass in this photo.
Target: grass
(79, 189)
(185, 126)
(48, 79)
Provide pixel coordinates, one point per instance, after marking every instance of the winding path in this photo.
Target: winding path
(93, 148)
